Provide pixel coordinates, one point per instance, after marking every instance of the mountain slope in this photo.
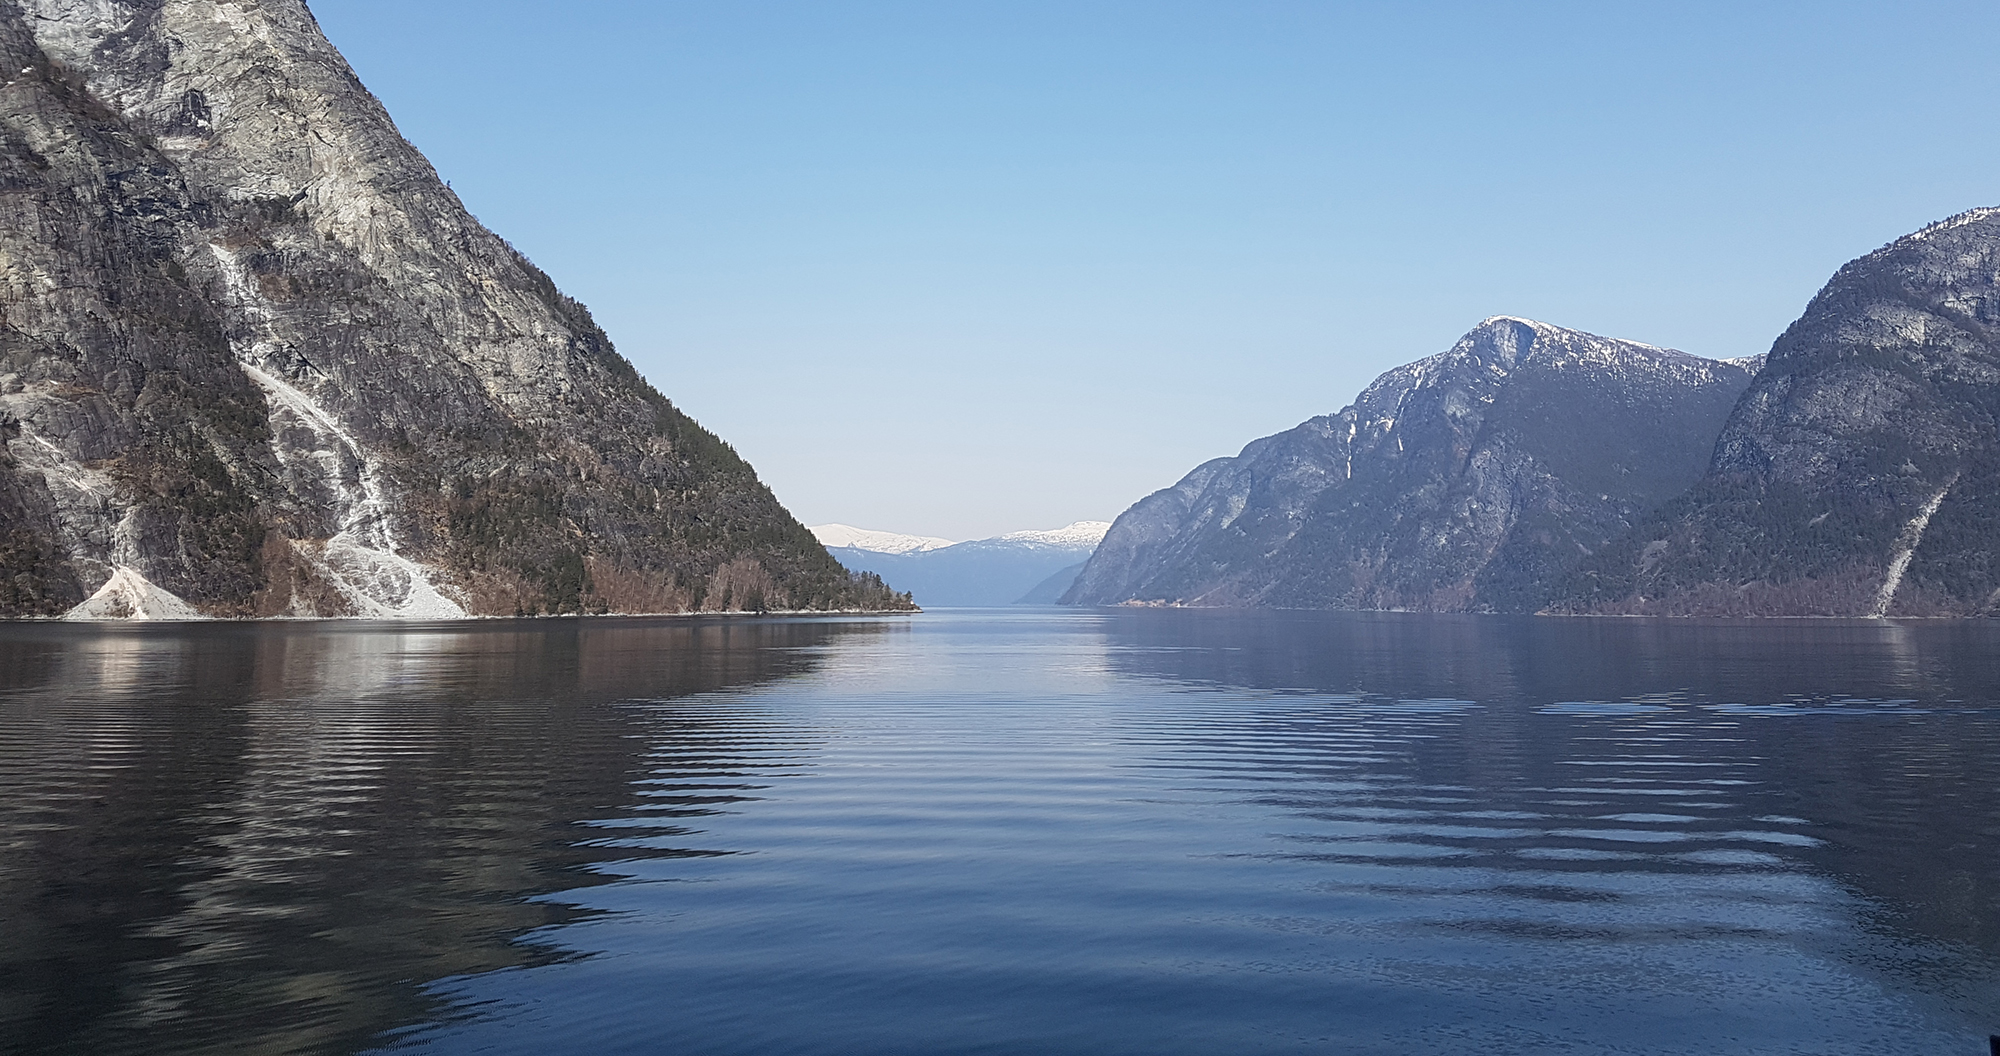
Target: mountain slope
(1050, 591)
(255, 357)
(1005, 570)
(1860, 475)
(1469, 481)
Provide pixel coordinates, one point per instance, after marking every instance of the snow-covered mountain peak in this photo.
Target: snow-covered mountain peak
(877, 542)
(1970, 216)
(1535, 324)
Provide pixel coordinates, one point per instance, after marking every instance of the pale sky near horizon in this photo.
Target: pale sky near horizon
(959, 269)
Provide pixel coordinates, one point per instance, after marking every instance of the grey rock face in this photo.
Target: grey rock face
(256, 357)
(1469, 481)
(1860, 475)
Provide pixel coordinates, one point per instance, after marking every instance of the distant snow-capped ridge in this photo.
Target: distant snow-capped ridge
(1019, 568)
(878, 542)
(1081, 534)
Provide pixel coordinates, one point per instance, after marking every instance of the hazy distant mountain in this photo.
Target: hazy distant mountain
(1473, 480)
(1016, 568)
(257, 359)
(849, 538)
(1860, 475)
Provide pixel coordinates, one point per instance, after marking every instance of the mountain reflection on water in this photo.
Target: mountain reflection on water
(1029, 831)
(265, 838)
(1902, 804)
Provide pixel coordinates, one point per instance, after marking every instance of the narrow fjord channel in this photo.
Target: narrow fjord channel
(1028, 831)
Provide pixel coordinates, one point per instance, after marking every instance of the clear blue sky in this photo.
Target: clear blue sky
(958, 268)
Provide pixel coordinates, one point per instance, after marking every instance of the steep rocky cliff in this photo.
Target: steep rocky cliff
(1470, 481)
(1860, 475)
(256, 359)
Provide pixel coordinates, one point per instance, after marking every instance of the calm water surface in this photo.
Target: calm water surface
(1002, 832)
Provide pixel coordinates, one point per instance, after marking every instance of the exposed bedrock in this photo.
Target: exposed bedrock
(255, 358)
(1860, 474)
(1536, 469)
(1473, 480)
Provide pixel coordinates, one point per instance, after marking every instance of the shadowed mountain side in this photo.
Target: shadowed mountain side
(256, 359)
(1860, 474)
(1051, 590)
(1470, 481)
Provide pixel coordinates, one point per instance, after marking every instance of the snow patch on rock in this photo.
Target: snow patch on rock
(1906, 548)
(380, 584)
(361, 559)
(127, 595)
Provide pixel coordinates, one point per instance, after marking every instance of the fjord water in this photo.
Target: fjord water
(1002, 831)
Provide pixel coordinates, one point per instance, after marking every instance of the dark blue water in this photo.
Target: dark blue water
(1125, 832)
